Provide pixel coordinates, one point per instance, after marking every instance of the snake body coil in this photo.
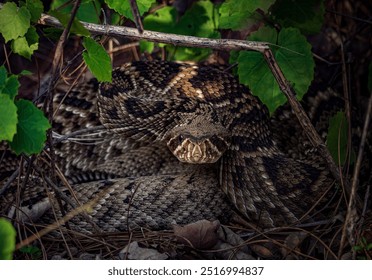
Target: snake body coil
(183, 143)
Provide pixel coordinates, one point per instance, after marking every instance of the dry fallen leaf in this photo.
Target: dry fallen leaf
(231, 246)
(134, 252)
(262, 251)
(200, 235)
(292, 242)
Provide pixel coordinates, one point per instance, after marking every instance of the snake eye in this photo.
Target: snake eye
(180, 138)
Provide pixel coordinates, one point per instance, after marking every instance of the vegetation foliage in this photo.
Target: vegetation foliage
(282, 23)
(202, 19)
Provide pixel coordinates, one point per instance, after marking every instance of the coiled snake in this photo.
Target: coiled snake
(183, 143)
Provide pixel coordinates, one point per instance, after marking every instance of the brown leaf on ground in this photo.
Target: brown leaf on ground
(200, 235)
(262, 251)
(292, 242)
(231, 246)
(134, 252)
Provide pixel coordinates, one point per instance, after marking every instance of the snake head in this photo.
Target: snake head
(193, 150)
(198, 140)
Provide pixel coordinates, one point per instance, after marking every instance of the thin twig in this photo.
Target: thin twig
(58, 56)
(368, 21)
(345, 86)
(365, 204)
(61, 138)
(136, 15)
(351, 217)
(57, 224)
(9, 181)
(304, 120)
(7, 59)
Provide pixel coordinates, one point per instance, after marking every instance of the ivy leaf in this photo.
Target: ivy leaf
(3, 74)
(146, 46)
(52, 33)
(305, 15)
(123, 7)
(200, 20)
(35, 7)
(10, 86)
(25, 73)
(7, 239)
(98, 60)
(8, 117)
(237, 14)
(162, 20)
(25, 46)
(337, 138)
(34, 251)
(76, 26)
(89, 10)
(294, 57)
(31, 129)
(14, 21)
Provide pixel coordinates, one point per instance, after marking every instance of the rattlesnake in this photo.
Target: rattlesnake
(181, 142)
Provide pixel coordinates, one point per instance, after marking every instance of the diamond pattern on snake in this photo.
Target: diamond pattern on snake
(181, 143)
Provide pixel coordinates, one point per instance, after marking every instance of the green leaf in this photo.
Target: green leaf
(162, 20)
(35, 7)
(237, 14)
(25, 73)
(98, 60)
(53, 33)
(305, 15)
(7, 239)
(294, 58)
(14, 21)
(146, 46)
(233, 59)
(31, 129)
(10, 87)
(89, 10)
(76, 26)
(34, 251)
(200, 20)
(123, 7)
(8, 117)
(25, 46)
(337, 137)
(3, 74)
(115, 18)
(358, 248)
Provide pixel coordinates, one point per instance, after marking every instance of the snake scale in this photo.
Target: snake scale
(181, 143)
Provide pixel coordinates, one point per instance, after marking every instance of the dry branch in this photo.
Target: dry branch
(136, 15)
(159, 37)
